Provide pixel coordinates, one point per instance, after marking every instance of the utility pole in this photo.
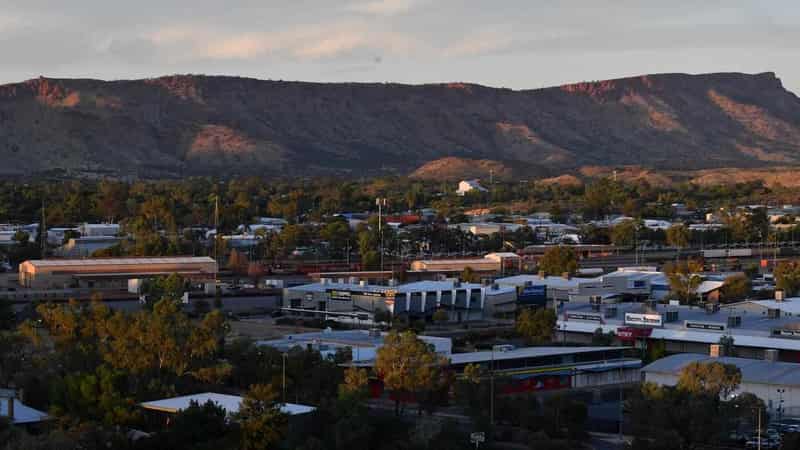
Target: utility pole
(283, 356)
(491, 391)
(758, 411)
(43, 232)
(381, 202)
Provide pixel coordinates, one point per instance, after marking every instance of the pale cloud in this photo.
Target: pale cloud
(383, 7)
(482, 42)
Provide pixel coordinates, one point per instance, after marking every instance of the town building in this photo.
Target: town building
(466, 186)
(757, 327)
(777, 384)
(99, 229)
(17, 413)
(110, 272)
(461, 301)
(84, 247)
(231, 404)
(547, 368)
(491, 264)
(363, 345)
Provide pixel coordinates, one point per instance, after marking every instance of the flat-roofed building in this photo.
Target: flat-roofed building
(493, 263)
(462, 301)
(110, 272)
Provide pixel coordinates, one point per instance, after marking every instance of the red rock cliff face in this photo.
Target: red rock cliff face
(181, 125)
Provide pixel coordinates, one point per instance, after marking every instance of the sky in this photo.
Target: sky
(518, 44)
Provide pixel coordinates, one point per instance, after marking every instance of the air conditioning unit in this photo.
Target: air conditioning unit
(671, 316)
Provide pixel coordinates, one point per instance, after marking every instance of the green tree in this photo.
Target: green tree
(684, 278)
(440, 316)
(355, 383)
(717, 379)
(558, 260)
(407, 365)
(468, 275)
(678, 237)
(735, 287)
(623, 234)
(537, 327)
(263, 425)
(787, 277)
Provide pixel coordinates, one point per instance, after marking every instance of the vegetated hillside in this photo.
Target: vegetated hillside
(452, 168)
(182, 125)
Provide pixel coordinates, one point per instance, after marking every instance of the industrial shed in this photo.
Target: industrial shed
(776, 383)
(110, 272)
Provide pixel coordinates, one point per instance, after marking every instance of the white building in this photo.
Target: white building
(99, 229)
(461, 301)
(776, 383)
(363, 344)
(466, 186)
(231, 404)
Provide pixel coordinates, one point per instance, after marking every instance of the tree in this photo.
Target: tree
(441, 316)
(355, 383)
(678, 237)
(717, 379)
(623, 234)
(407, 365)
(263, 425)
(683, 279)
(787, 277)
(7, 315)
(558, 260)
(537, 327)
(600, 338)
(473, 373)
(468, 275)
(735, 287)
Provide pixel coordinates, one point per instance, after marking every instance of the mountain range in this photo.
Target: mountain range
(198, 125)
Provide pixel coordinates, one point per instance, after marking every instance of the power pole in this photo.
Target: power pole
(43, 232)
(491, 390)
(381, 202)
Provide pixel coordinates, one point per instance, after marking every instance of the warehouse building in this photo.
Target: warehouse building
(362, 344)
(462, 301)
(491, 264)
(776, 383)
(756, 326)
(110, 272)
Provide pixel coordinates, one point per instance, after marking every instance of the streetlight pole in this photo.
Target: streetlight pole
(381, 202)
(283, 357)
(491, 391)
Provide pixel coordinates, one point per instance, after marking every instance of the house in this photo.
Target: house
(16, 412)
(465, 186)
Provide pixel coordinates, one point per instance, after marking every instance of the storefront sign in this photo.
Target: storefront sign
(653, 320)
(710, 326)
(584, 316)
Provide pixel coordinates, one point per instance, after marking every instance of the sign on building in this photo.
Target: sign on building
(650, 320)
(708, 326)
(584, 316)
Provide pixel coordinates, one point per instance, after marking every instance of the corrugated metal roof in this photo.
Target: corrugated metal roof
(527, 352)
(753, 370)
(229, 402)
(119, 261)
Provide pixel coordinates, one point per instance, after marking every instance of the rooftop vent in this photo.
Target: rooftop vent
(780, 295)
(771, 355)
